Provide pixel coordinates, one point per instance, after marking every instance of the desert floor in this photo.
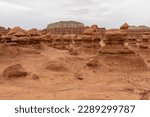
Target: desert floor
(70, 78)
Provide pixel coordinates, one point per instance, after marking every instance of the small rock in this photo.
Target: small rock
(78, 76)
(35, 77)
(93, 63)
(73, 52)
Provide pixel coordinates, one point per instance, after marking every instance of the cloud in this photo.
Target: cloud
(108, 13)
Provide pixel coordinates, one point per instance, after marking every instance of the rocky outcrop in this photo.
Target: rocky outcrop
(91, 37)
(1, 36)
(114, 43)
(124, 26)
(78, 41)
(115, 55)
(132, 41)
(14, 71)
(35, 35)
(17, 35)
(87, 37)
(57, 41)
(67, 39)
(144, 44)
(3, 30)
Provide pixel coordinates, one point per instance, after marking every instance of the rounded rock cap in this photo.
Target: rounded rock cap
(14, 30)
(124, 26)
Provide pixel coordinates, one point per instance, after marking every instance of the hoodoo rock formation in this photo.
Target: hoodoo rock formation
(68, 40)
(1, 36)
(92, 37)
(124, 26)
(17, 35)
(144, 44)
(132, 41)
(4, 30)
(87, 37)
(135, 34)
(68, 62)
(116, 54)
(35, 35)
(58, 42)
(78, 40)
(114, 43)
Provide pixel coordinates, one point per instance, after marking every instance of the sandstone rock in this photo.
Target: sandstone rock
(87, 41)
(65, 24)
(56, 66)
(115, 55)
(58, 42)
(73, 51)
(16, 34)
(35, 77)
(96, 40)
(65, 27)
(95, 27)
(6, 38)
(14, 71)
(78, 41)
(124, 26)
(15, 30)
(35, 36)
(20, 39)
(34, 32)
(19, 34)
(0, 36)
(88, 31)
(93, 63)
(91, 37)
(122, 62)
(132, 41)
(3, 30)
(67, 39)
(144, 44)
(114, 43)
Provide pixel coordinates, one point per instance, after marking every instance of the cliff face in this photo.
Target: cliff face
(65, 24)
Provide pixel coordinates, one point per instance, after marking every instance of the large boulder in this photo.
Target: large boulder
(14, 71)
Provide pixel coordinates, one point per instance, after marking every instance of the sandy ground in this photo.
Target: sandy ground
(72, 79)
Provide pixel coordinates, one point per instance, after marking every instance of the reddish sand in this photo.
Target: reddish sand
(64, 76)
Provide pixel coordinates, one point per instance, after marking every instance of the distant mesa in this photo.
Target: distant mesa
(65, 24)
(65, 27)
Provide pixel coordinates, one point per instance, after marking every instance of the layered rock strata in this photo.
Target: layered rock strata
(144, 44)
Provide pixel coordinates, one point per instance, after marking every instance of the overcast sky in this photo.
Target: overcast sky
(104, 13)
